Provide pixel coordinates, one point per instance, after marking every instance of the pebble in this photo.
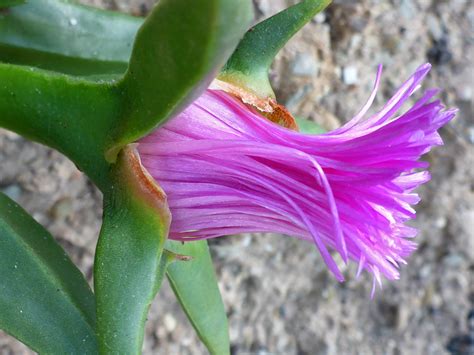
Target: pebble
(350, 75)
(62, 209)
(246, 241)
(440, 222)
(320, 18)
(169, 322)
(356, 40)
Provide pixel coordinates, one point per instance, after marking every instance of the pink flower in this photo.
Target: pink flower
(227, 170)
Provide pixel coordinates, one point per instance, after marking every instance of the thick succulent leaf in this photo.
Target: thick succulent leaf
(308, 126)
(177, 52)
(195, 285)
(45, 301)
(71, 115)
(248, 66)
(66, 37)
(128, 266)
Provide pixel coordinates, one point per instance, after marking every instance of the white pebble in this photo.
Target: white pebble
(349, 75)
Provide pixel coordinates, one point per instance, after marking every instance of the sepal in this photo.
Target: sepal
(249, 65)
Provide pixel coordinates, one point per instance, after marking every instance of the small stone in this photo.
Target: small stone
(356, 40)
(350, 75)
(320, 18)
(440, 222)
(246, 241)
(465, 92)
(169, 322)
(436, 301)
(186, 341)
(304, 65)
(268, 248)
(403, 317)
(62, 209)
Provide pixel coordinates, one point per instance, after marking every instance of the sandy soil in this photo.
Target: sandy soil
(279, 296)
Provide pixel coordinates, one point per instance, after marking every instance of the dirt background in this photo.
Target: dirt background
(279, 296)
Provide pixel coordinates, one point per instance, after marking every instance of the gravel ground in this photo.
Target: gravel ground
(279, 296)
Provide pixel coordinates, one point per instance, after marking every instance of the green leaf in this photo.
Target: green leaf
(66, 37)
(8, 3)
(309, 127)
(195, 285)
(177, 52)
(45, 301)
(128, 268)
(248, 66)
(69, 114)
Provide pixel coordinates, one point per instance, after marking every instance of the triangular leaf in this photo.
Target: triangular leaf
(248, 66)
(195, 285)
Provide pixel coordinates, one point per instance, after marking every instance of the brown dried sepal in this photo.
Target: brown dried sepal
(268, 107)
(143, 183)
